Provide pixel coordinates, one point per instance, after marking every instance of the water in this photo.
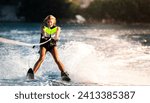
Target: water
(92, 55)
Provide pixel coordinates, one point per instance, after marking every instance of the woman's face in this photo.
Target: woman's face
(50, 22)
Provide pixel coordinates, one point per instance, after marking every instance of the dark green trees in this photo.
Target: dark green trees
(36, 10)
(120, 10)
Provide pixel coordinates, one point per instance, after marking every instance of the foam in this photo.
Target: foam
(105, 59)
(86, 64)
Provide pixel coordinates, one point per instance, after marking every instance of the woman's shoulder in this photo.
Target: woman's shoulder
(58, 28)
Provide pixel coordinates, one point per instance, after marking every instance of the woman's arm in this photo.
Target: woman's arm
(57, 33)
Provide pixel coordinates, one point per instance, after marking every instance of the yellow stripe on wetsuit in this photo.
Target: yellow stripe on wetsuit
(50, 31)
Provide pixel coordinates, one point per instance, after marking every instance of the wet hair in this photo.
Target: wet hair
(49, 17)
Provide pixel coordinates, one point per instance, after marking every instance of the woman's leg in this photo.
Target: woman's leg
(55, 55)
(64, 75)
(40, 60)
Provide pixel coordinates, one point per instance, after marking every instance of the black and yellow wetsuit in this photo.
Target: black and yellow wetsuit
(49, 32)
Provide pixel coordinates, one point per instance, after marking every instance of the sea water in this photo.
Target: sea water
(93, 54)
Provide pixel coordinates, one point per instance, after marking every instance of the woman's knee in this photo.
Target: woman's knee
(41, 58)
(57, 60)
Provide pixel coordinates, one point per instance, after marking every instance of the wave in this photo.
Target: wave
(87, 63)
(113, 66)
(103, 57)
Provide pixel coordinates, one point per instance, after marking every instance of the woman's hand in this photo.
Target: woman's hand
(56, 38)
(45, 38)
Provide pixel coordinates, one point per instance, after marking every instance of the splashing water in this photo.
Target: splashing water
(121, 66)
(105, 55)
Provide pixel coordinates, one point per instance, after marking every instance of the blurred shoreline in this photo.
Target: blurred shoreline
(73, 11)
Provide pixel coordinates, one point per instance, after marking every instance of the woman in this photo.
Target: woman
(50, 32)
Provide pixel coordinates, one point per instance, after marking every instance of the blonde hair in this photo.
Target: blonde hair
(49, 17)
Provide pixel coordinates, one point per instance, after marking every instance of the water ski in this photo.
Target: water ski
(65, 76)
(65, 79)
(30, 74)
